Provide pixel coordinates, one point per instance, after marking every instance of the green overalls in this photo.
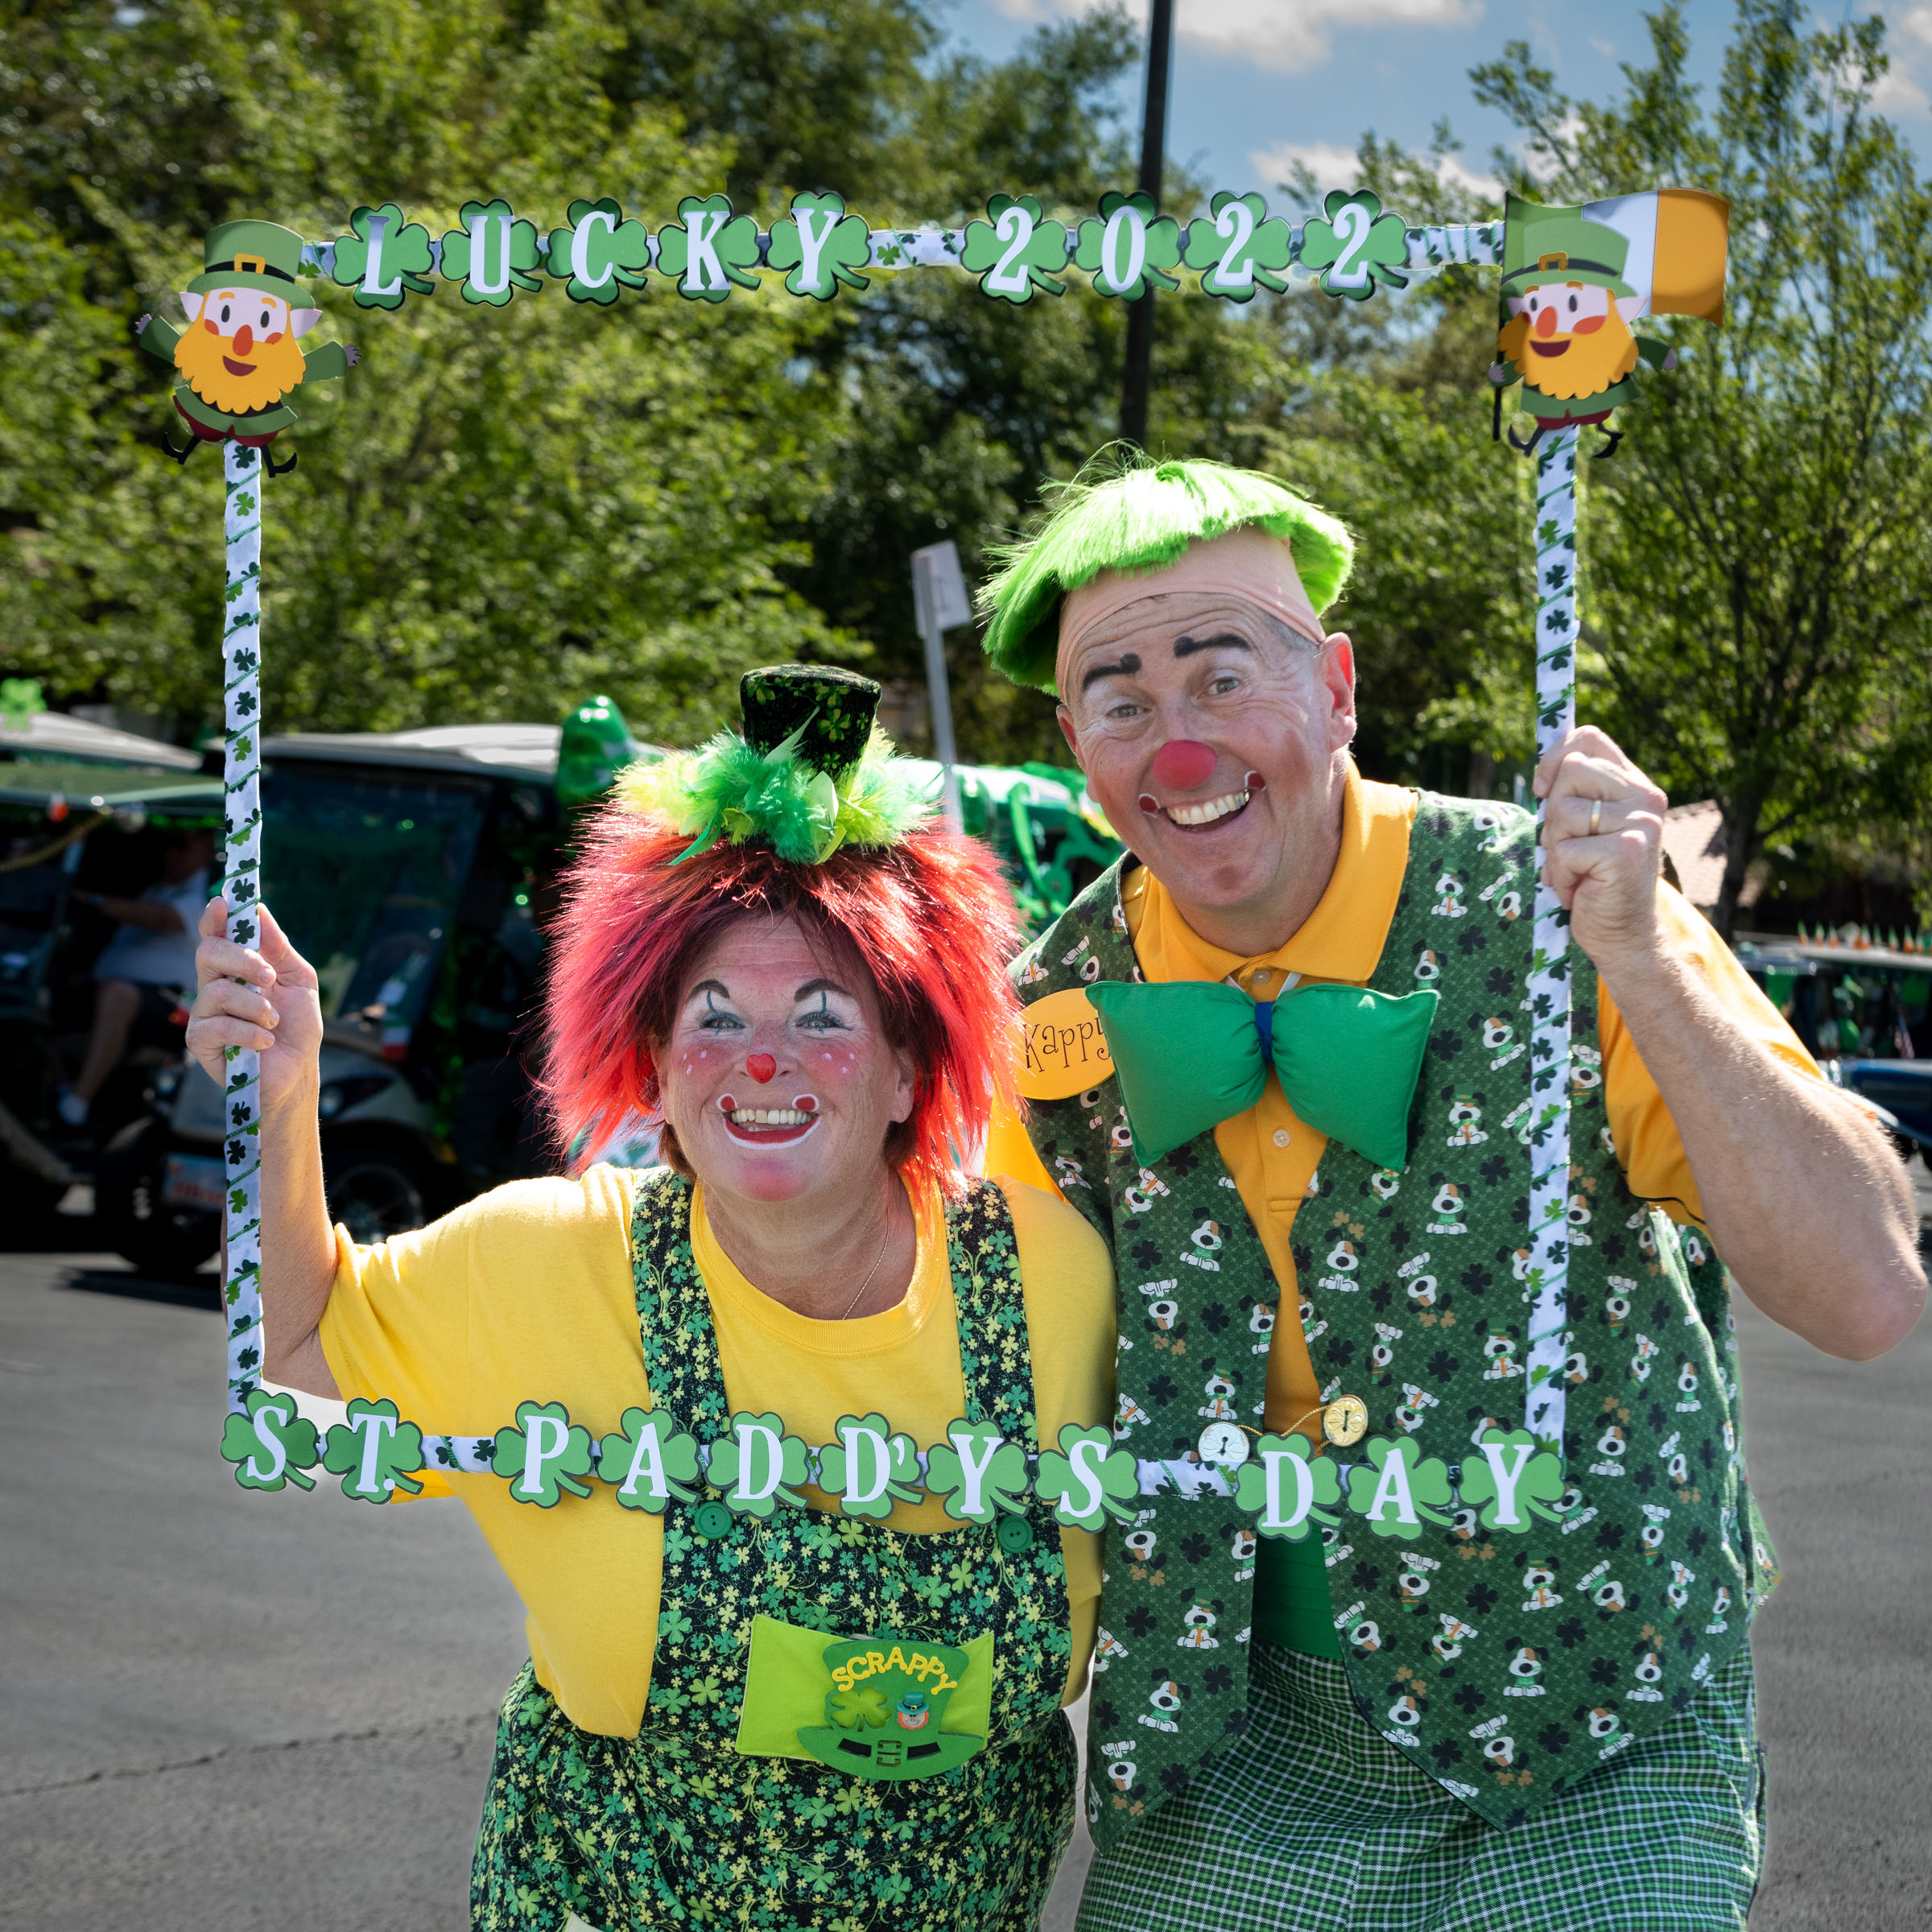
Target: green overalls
(676, 1827)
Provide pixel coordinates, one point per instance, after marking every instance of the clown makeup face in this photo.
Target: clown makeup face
(778, 1078)
(1212, 735)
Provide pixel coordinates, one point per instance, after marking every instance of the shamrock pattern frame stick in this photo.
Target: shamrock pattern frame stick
(245, 471)
(1547, 1001)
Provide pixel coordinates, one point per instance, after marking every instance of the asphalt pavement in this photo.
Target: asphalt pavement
(227, 1710)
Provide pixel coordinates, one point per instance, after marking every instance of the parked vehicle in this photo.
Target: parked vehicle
(1866, 1013)
(82, 808)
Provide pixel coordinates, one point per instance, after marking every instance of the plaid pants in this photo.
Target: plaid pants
(1311, 1822)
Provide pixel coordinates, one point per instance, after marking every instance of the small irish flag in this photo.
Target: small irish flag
(1679, 240)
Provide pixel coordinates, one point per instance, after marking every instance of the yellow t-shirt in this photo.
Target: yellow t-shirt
(1272, 1155)
(526, 1294)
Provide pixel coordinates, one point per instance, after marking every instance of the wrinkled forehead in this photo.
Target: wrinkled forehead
(1248, 577)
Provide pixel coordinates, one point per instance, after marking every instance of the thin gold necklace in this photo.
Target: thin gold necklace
(874, 1269)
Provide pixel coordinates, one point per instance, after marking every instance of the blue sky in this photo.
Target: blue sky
(1260, 83)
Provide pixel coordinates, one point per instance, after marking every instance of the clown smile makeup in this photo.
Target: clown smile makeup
(768, 1126)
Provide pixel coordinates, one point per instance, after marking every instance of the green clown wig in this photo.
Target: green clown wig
(1141, 518)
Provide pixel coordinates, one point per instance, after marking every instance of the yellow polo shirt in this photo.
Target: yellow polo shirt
(1272, 1155)
(526, 1294)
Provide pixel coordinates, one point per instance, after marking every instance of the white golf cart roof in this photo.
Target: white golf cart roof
(53, 734)
(517, 751)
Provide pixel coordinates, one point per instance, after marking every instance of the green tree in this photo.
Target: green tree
(1756, 578)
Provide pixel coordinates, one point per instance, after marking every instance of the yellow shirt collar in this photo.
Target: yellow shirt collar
(1341, 940)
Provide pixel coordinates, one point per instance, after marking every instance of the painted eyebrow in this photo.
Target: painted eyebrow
(707, 986)
(812, 986)
(1129, 666)
(1186, 647)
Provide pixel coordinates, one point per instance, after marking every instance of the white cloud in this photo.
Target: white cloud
(1334, 167)
(1917, 22)
(1898, 94)
(1287, 36)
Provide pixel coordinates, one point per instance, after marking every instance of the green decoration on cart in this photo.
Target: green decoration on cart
(598, 253)
(757, 1466)
(977, 1472)
(545, 1454)
(1356, 246)
(1015, 251)
(709, 250)
(650, 1463)
(271, 1444)
(1088, 1480)
(868, 1468)
(822, 247)
(1397, 1489)
(885, 1712)
(1512, 1481)
(384, 258)
(373, 1452)
(493, 254)
(1128, 248)
(1240, 248)
(1290, 1490)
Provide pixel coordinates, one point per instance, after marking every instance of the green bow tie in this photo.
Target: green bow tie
(1192, 1054)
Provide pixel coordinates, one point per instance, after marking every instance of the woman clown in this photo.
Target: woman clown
(769, 947)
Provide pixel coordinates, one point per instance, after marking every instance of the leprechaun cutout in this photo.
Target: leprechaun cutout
(240, 354)
(1575, 278)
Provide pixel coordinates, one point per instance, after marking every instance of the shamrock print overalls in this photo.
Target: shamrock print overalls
(675, 1827)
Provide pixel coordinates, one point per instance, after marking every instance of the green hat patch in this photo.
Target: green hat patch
(888, 1698)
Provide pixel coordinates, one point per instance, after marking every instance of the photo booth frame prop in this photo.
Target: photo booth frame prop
(1572, 280)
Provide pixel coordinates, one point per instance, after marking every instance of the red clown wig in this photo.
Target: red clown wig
(929, 918)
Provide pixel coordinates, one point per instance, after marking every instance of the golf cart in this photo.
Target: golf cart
(1865, 1013)
(83, 809)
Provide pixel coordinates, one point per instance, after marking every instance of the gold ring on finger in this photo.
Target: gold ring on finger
(1596, 816)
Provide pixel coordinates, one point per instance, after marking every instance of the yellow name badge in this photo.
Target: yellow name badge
(1062, 1050)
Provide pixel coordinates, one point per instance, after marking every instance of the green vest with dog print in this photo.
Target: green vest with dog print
(1508, 1666)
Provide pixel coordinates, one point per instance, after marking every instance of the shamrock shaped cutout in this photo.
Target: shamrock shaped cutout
(493, 254)
(1088, 1480)
(709, 250)
(271, 1445)
(1013, 251)
(867, 1467)
(650, 1461)
(599, 252)
(758, 1466)
(1396, 1490)
(821, 244)
(1513, 1482)
(1355, 245)
(977, 1472)
(373, 1451)
(1284, 1483)
(383, 257)
(543, 1455)
(1129, 249)
(860, 1706)
(1240, 247)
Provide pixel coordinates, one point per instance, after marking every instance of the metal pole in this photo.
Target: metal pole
(1153, 146)
(245, 472)
(1548, 1001)
(939, 694)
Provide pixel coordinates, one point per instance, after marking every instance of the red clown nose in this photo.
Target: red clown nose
(760, 1066)
(1182, 763)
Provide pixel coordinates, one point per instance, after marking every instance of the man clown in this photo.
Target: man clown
(1173, 609)
(240, 355)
